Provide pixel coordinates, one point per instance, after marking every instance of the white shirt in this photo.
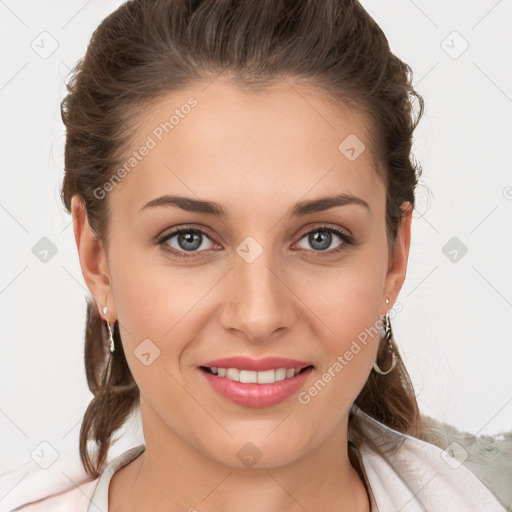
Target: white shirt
(402, 473)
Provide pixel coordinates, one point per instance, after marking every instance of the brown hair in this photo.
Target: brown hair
(148, 48)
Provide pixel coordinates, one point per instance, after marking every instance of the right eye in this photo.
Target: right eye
(187, 240)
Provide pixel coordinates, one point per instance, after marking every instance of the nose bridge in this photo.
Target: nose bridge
(260, 302)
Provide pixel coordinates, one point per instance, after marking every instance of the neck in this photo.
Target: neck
(173, 475)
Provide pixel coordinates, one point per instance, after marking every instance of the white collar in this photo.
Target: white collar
(402, 472)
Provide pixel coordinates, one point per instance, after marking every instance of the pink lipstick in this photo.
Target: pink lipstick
(256, 383)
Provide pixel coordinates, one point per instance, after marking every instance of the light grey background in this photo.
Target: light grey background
(454, 331)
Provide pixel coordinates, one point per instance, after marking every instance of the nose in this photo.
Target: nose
(260, 301)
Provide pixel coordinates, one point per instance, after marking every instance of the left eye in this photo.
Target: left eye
(321, 238)
(188, 240)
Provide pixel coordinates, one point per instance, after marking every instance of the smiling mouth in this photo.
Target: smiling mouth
(255, 377)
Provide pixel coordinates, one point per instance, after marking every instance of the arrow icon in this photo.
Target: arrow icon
(351, 147)
(44, 455)
(454, 45)
(454, 249)
(249, 249)
(44, 250)
(147, 352)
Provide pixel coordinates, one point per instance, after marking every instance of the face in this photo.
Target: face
(271, 276)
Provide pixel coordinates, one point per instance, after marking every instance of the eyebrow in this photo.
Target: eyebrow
(300, 209)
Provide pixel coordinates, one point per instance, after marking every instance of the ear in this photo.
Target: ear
(93, 260)
(397, 267)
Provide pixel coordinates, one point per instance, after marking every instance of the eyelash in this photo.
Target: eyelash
(348, 240)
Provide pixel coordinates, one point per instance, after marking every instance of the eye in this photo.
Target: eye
(193, 240)
(186, 240)
(321, 238)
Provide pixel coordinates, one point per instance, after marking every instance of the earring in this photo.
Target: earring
(111, 337)
(389, 350)
(108, 372)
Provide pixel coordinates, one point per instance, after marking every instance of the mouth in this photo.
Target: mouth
(256, 389)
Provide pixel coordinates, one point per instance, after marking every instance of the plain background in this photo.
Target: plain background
(454, 330)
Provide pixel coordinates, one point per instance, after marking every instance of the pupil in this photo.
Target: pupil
(321, 240)
(188, 241)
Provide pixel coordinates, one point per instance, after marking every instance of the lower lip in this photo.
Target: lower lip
(257, 395)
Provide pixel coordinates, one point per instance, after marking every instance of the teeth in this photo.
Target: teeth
(233, 374)
(267, 377)
(281, 374)
(248, 377)
(252, 377)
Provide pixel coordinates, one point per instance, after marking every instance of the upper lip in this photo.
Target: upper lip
(258, 365)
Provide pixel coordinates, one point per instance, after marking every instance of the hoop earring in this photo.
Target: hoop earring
(111, 350)
(111, 337)
(389, 350)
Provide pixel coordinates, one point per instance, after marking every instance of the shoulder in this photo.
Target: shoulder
(59, 483)
(76, 499)
(489, 457)
(402, 468)
(63, 487)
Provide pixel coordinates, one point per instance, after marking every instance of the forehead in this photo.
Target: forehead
(247, 149)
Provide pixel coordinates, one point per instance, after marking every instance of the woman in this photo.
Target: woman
(241, 185)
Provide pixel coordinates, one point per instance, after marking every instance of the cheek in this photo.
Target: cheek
(347, 358)
(157, 307)
(348, 313)
(346, 300)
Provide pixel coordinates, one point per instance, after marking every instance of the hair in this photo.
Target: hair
(147, 49)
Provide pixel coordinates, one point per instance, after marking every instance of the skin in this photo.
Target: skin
(256, 154)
